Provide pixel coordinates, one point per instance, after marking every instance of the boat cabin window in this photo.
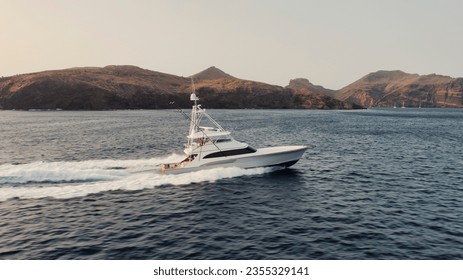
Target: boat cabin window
(247, 150)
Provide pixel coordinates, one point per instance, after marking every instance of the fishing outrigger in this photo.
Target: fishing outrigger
(212, 147)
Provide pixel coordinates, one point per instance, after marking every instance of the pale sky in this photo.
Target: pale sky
(331, 43)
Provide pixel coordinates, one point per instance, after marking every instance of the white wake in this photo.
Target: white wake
(64, 180)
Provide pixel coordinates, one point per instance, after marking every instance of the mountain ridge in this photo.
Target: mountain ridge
(211, 73)
(393, 88)
(131, 87)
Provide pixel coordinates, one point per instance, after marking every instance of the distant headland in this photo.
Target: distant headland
(131, 87)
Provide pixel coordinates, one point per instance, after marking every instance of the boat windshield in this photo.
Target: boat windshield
(247, 150)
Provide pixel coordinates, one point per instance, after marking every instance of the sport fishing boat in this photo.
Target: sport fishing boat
(212, 147)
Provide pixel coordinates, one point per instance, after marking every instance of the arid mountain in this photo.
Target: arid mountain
(396, 88)
(212, 73)
(321, 98)
(130, 87)
(302, 85)
(111, 87)
(229, 92)
(225, 91)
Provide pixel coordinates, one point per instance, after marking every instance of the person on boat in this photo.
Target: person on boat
(201, 141)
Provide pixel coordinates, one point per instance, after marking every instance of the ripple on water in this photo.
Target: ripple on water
(379, 184)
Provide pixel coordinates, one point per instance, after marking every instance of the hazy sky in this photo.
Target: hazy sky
(332, 43)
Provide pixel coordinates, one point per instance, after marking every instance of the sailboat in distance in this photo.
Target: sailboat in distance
(213, 147)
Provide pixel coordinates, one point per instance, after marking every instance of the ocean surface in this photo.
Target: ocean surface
(375, 184)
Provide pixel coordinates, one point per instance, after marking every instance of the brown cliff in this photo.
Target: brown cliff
(320, 97)
(88, 88)
(396, 88)
(130, 87)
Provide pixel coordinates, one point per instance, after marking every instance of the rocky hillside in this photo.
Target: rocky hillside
(322, 98)
(111, 87)
(130, 87)
(396, 88)
(212, 73)
(225, 91)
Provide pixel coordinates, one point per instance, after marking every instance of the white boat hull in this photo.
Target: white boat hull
(213, 147)
(266, 157)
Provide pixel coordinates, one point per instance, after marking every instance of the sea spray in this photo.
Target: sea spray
(62, 180)
(78, 171)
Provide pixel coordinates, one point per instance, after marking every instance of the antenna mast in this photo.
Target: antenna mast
(195, 112)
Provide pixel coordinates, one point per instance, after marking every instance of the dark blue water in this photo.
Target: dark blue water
(378, 184)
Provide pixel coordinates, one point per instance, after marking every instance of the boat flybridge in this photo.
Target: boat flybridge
(212, 147)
